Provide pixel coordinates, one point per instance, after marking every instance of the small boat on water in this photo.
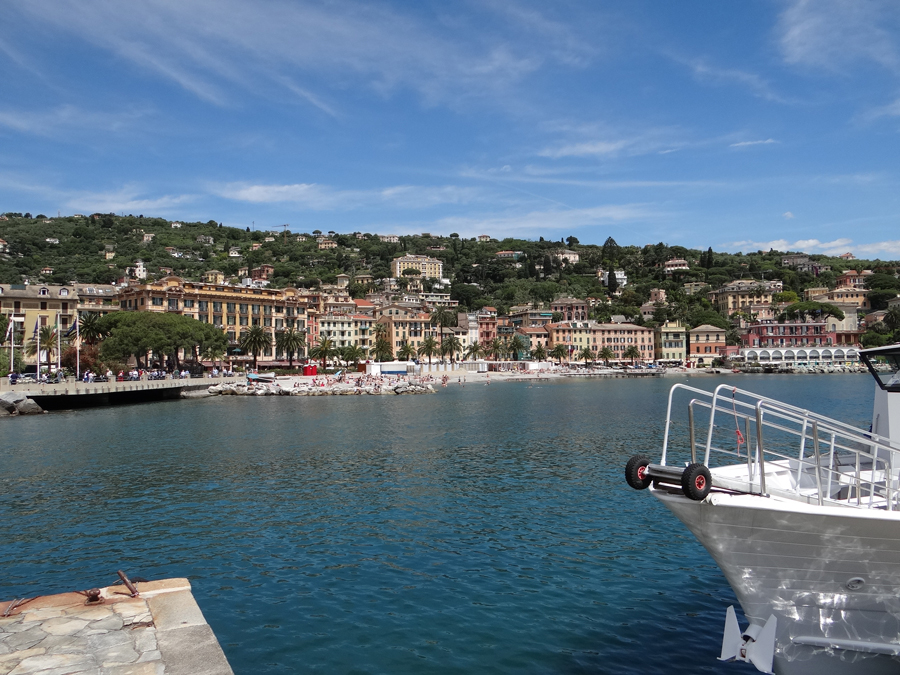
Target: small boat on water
(801, 513)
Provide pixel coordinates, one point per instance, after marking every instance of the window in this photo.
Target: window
(63, 292)
(203, 305)
(230, 320)
(65, 306)
(244, 310)
(279, 323)
(189, 304)
(231, 307)
(217, 319)
(243, 320)
(45, 291)
(267, 322)
(256, 309)
(44, 306)
(217, 306)
(157, 302)
(173, 304)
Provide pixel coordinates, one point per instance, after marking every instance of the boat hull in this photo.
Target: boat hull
(828, 575)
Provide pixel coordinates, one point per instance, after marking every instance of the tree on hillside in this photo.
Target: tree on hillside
(811, 309)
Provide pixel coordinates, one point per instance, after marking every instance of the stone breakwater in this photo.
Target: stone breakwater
(15, 403)
(335, 389)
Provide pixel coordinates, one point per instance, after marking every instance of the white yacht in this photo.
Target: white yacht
(801, 513)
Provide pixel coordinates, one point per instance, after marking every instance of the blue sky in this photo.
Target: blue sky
(734, 125)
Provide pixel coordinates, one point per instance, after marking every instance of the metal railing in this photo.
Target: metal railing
(780, 449)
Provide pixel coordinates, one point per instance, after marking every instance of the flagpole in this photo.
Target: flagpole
(77, 348)
(38, 352)
(58, 344)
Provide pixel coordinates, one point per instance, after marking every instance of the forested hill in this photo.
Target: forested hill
(478, 276)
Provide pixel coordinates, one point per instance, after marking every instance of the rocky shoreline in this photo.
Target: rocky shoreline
(14, 403)
(335, 389)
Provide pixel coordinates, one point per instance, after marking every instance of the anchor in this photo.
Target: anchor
(755, 645)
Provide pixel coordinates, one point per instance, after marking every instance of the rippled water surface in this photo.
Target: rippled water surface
(485, 528)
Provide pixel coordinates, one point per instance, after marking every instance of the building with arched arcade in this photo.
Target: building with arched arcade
(802, 355)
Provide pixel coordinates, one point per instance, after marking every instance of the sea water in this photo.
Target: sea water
(481, 529)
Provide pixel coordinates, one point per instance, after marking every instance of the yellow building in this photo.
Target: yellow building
(214, 277)
(233, 309)
(741, 294)
(576, 335)
(670, 342)
(430, 268)
(406, 325)
(34, 306)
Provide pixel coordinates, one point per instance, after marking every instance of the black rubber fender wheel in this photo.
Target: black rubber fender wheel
(636, 472)
(696, 482)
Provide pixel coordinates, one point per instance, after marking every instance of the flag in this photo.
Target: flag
(73, 328)
(36, 329)
(9, 330)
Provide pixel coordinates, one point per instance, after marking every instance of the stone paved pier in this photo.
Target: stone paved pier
(73, 394)
(161, 631)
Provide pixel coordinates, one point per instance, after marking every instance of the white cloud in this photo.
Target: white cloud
(126, 200)
(538, 222)
(208, 46)
(890, 248)
(64, 119)
(745, 144)
(758, 86)
(832, 34)
(890, 110)
(326, 198)
(787, 215)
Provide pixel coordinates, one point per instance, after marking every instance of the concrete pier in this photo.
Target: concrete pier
(161, 631)
(73, 394)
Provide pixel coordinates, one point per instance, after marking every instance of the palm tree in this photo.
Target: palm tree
(89, 328)
(382, 348)
(442, 317)
(586, 355)
(560, 352)
(324, 349)
(496, 348)
(474, 351)
(516, 345)
(353, 353)
(48, 345)
(539, 353)
(429, 348)
(632, 353)
(451, 347)
(255, 340)
(892, 318)
(606, 354)
(406, 352)
(290, 341)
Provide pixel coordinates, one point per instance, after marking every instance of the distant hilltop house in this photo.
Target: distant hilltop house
(148, 237)
(847, 256)
(256, 246)
(214, 277)
(301, 238)
(46, 270)
(389, 238)
(3, 218)
(176, 226)
(360, 235)
(268, 239)
(570, 257)
(621, 277)
(205, 239)
(3, 246)
(692, 287)
(234, 252)
(484, 237)
(802, 263)
(263, 272)
(52, 240)
(109, 255)
(326, 244)
(507, 255)
(675, 265)
(138, 271)
(429, 268)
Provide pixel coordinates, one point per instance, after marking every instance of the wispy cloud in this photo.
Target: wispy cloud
(128, 199)
(757, 85)
(326, 198)
(64, 119)
(835, 247)
(208, 46)
(745, 144)
(535, 222)
(890, 110)
(833, 34)
(787, 215)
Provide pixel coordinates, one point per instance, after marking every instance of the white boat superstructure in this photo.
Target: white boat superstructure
(802, 514)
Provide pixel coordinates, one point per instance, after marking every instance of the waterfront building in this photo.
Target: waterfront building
(31, 307)
(707, 343)
(429, 268)
(535, 336)
(798, 334)
(346, 330)
(468, 323)
(812, 356)
(99, 299)
(576, 335)
(233, 309)
(670, 343)
(487, 325)
(405, 324)
(740, 294)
